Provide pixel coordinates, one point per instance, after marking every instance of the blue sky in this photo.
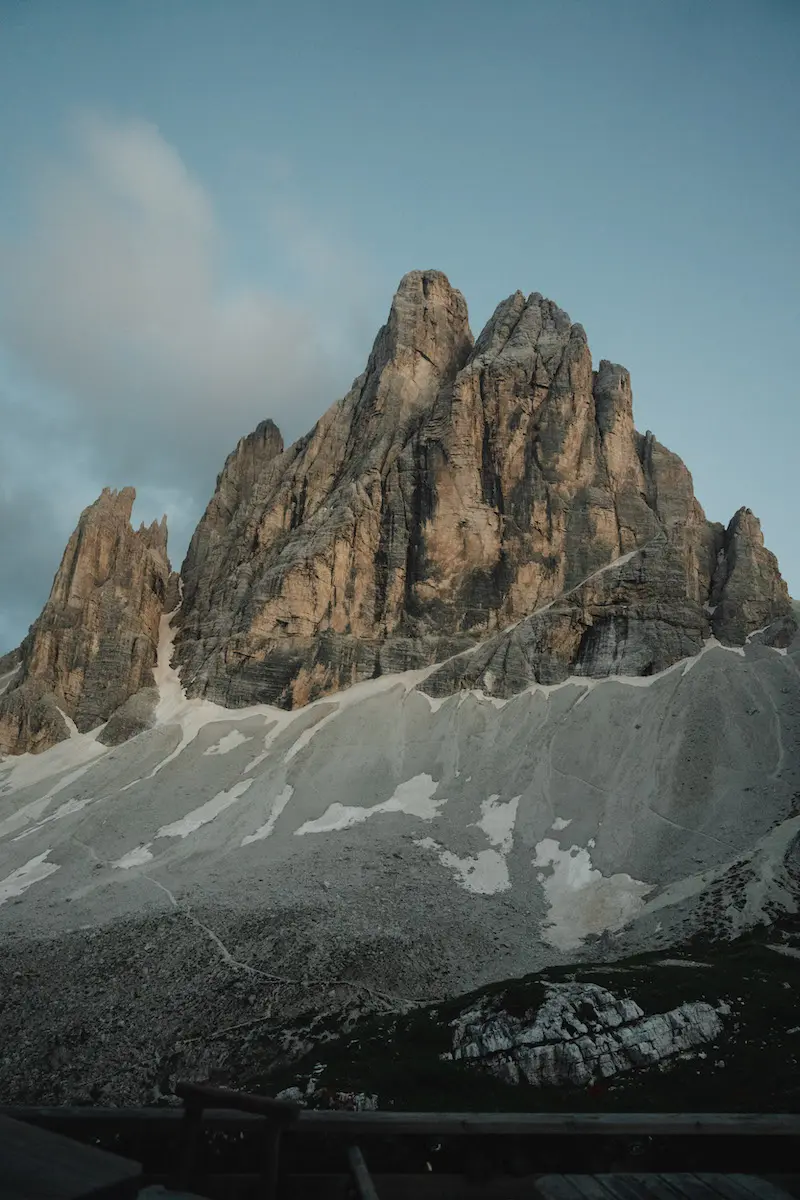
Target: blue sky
(206, 206)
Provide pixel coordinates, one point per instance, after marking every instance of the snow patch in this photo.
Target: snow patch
(31, 872)
(64, 810)
(5, 680)
(311, 732)
(276, 725)
(278, 805)
(789, 951)
(406, 680)
(709, 644)
(227, 743)
(414, 797)
(134, 858)
(484, 873)
(174, 707)
(33, 811)
(23, 816)
(581, 899)
(497, 821)
(72, 728)
(205, 813)
(27, 770)
(588, 685)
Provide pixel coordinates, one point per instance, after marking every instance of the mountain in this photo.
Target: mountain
(486, 505)
(459, 687)
(94, 644)
(456, 490)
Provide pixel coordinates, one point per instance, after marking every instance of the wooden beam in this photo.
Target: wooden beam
(361, 1176)
(550, 1124)
(203, 1096)
(356, 1124)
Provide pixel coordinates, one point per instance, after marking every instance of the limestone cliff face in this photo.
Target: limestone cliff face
(234, 489)
(311, 574)
(95, 642)
(747, 590)
(464, 495)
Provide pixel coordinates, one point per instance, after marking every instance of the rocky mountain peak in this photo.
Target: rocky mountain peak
(118, 501)
(95, 642)
(747, 592)
(155, 534)
(428, 316)
(456, 490)
(520, 328)
(422, 346)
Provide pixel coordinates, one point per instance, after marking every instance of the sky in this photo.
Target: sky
(206, 206)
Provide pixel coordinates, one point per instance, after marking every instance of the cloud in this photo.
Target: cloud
(130, 356)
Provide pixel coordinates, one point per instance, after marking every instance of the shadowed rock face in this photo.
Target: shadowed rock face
(95, 642)
(234, 490)
(455, 491)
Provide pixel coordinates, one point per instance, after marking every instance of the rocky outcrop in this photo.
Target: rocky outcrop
(493, 495)
(580, 1034)
(747, 591)
(132, 717)
(95, 642)
(30, 720)
(9, 663)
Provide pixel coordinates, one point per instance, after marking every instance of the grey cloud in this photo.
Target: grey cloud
(129, 361)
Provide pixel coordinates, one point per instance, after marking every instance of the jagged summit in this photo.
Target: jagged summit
(486, 505)
(94, 644)
(457, 489)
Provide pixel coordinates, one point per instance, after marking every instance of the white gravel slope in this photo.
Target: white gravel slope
(562, 812)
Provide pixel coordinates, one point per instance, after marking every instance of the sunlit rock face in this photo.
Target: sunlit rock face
(493, 494)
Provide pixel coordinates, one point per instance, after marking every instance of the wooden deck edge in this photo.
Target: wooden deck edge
(437, 1124)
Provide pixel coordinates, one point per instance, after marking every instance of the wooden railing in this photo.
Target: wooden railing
(277, 1115)
(358, 1141)
(324, 1121)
